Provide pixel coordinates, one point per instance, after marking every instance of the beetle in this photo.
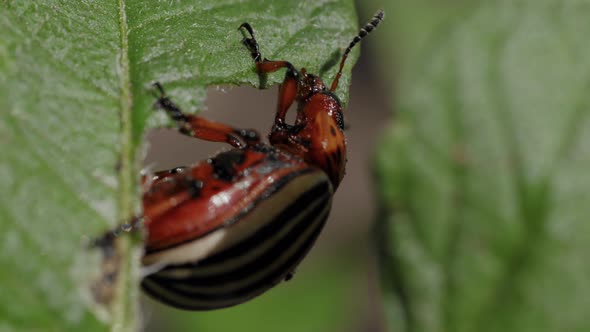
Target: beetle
(227, 229)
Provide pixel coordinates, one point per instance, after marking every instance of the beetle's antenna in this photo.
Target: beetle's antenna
(377, 18)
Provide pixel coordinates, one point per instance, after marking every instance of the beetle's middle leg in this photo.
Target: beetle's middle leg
(202, 128)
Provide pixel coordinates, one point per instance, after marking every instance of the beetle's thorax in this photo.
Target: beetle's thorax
(317, 135)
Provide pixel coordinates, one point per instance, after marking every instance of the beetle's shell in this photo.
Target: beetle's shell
(230, 228)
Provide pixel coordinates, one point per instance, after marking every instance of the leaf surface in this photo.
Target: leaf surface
(74, 80)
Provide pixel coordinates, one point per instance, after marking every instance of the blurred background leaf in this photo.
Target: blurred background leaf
(75, 106)
(321, 298)
(484, 176)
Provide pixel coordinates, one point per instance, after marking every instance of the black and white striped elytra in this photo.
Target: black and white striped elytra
(236, 263)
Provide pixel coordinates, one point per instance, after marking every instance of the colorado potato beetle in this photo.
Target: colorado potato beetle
(227, 229)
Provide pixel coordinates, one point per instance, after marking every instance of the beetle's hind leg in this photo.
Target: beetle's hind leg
(105, 241)
(199, 127)
(103, 286)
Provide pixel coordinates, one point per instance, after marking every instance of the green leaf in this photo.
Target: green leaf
(484, 175)
(74, 79)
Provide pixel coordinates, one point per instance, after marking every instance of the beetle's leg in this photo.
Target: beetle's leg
(287, 94)
(202, 128)
(103, 287)
(251, 42)
(106, 240)
(265, 65)
(287, 90)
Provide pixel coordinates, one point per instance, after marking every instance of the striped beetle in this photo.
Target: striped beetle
(229, 228)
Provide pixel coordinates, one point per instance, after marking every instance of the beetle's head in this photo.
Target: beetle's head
(308, 85)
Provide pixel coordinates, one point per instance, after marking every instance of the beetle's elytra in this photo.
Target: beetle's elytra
(259, 211)
(227, 229)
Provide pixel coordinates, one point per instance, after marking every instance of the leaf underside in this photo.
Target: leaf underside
(74, 79)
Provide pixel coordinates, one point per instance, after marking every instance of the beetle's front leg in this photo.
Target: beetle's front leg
(202, 128)
(287, 90)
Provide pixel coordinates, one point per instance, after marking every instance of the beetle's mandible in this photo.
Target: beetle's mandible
(226, 229)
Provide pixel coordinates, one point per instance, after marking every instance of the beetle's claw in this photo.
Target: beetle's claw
(158, 91)
(248, 28)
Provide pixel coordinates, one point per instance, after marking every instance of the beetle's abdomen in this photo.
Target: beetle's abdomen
(254, 248)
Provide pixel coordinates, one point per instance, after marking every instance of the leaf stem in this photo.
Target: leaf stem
(125, 304)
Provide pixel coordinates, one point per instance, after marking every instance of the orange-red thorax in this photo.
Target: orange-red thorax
(317, 135)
